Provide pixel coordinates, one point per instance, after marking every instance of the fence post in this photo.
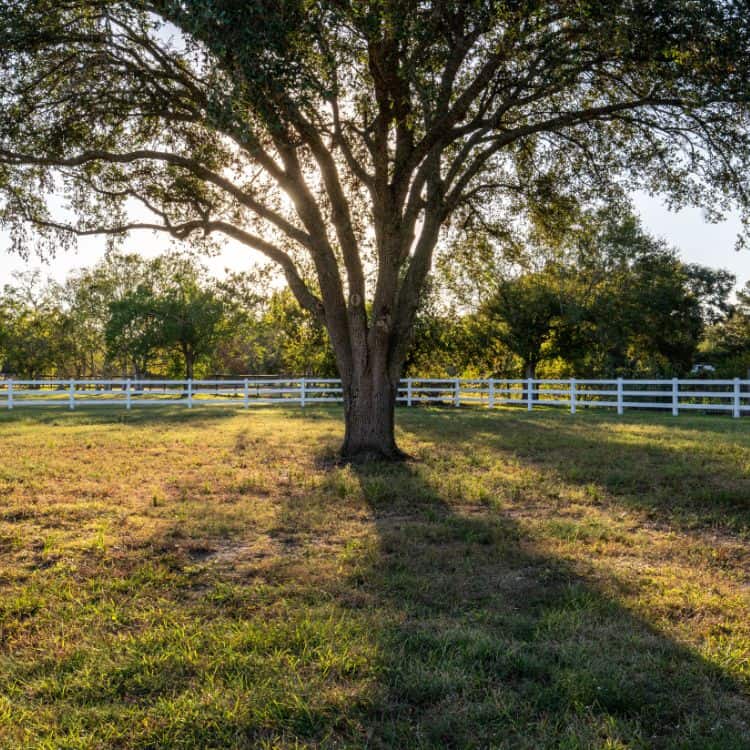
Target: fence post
(619, 397)
(72, 396)
(675, 397)
(491, 402)
(127, 394)
(408, 391)
(530, 394)
(456, 393)
(572, 395)
(10, 393)
(736, 408)
(246, 395)
(302, 393)
(190, 393)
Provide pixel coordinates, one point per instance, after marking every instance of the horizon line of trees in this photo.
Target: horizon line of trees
(601, 299)
(589, 293)
(165, 316)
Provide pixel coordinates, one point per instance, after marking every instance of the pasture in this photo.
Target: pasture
(214, 579)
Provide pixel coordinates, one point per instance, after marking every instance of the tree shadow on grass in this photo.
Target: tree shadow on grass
(682, 477)
(445, 626)
(493, 644)
(442, 625)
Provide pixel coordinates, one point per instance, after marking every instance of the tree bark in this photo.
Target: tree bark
(529, 371)
(369, 414)
(189, 363)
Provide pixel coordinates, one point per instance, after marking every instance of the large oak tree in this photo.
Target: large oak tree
(340, 137)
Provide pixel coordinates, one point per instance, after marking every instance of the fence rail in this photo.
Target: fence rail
(723, 396)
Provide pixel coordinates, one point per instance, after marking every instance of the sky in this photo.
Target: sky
(697, 240)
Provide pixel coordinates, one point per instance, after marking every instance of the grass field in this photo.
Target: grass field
(209, 579)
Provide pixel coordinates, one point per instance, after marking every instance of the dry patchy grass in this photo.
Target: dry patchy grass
(208, 579)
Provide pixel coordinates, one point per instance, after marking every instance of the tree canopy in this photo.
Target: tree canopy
(345, 136)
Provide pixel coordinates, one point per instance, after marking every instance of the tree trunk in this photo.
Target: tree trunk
(529, 371)
(139, 374)
(369, 413)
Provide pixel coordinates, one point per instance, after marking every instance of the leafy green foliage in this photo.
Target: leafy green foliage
(528, 309)
(28, 326)
(302, 344)
(599, 299)
(176, 310)
(134, 332)
(727, 343)
(166, 316)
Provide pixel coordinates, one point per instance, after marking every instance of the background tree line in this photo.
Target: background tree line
(166, 316)
(599, 298)
(585, 293)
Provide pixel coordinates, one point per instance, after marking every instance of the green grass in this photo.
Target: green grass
(211, 579)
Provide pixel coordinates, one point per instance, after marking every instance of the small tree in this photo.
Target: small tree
(134, 333)
(523, 314)
(175, 309)
(29, 346)
(190, 320)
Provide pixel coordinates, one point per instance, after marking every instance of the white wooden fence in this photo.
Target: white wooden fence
(723, 396)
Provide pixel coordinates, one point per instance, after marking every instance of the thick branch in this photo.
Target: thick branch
(340, 213)
(191, 165)
(181, 231)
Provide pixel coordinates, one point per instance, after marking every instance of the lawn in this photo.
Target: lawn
(213, 579)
